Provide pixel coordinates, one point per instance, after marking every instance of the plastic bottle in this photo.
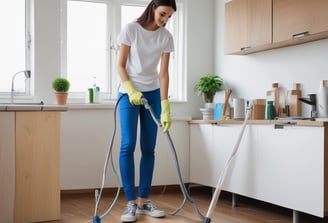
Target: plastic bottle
(270, 111)
(96, 91)
(322, 100)
(90, 92)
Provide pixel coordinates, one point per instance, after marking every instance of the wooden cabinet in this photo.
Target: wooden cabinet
(256, 25)
(248, 25)
(275, 165)
(31, 167)
(299, 19)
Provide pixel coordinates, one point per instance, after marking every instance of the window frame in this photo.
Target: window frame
(28, 50)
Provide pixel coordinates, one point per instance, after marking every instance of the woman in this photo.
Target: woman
(143, 45)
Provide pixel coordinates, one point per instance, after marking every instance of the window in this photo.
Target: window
(14, 53)
(91, 52)
(87, 58)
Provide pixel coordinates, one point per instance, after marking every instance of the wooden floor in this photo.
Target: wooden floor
(79, 208)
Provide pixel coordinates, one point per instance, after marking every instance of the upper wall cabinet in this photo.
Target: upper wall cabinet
(248, 25)
(299, 19)
(257, 25)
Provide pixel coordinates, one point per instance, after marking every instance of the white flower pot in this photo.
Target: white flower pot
(208, 113)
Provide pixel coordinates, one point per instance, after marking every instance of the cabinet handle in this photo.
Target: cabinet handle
(245, 48)
(300, 35)
(282, 125)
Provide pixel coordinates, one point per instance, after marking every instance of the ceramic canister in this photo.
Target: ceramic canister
(239, 108)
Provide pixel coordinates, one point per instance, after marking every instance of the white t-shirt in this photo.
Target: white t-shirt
(146, 49)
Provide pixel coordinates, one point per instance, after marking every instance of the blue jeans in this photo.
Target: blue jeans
(129, 116)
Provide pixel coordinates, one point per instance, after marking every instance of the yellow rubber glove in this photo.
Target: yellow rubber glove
(165, 116)
(134, 95)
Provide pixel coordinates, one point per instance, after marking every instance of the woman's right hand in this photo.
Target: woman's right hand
(134, 95)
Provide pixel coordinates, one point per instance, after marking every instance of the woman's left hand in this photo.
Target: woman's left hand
(165, 115)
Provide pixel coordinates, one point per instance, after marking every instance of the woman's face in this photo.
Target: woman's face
(162, 15)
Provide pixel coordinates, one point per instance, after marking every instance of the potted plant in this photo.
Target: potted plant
(61, 86)
(207, 86)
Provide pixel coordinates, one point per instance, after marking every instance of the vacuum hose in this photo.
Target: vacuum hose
(98, 193)
(182, 185)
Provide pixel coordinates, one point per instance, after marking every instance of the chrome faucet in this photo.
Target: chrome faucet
(27, 75)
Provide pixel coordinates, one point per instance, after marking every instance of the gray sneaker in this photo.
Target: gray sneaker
(150, 209)
(129, 214)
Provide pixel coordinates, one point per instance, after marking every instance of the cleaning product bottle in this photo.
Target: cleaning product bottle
(96, 91)
(90, 96)
(322, 100)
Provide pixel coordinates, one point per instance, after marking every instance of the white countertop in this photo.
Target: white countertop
(318, 122)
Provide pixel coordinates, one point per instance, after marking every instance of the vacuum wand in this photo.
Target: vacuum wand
(218, 188)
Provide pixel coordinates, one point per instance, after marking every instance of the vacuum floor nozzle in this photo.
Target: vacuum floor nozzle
(96, 219)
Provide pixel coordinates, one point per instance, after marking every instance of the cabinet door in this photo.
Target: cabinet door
(297, 18)
(201, 154)
(289, 168)
(210, 149)
(235, 26)
(248, 25)
(241, 168)
(259, 22)
(7, 166)
(37, 194)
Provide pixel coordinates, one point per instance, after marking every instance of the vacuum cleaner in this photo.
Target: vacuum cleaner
(98, 193)
(204, 219)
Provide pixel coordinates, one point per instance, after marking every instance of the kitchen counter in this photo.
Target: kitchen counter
(30, 162)
(273, 160)
(320, 122)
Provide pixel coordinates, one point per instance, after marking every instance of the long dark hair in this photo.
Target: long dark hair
(148, 15)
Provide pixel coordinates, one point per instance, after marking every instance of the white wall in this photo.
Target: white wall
(251, 76)
(200, 51)
(85, 142)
